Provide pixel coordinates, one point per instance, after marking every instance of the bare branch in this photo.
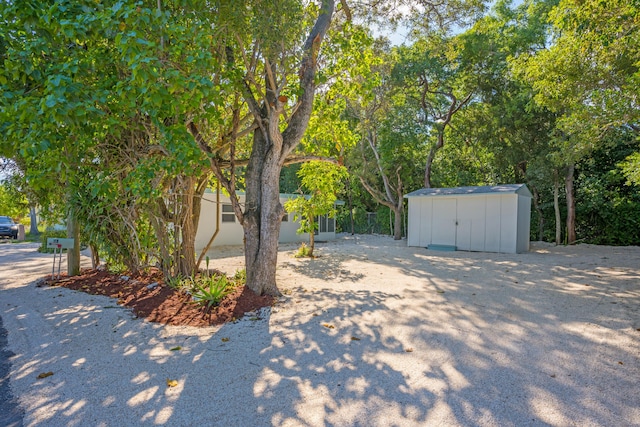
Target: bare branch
(376, 194)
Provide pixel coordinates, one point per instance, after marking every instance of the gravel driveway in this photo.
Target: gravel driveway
(371, 333)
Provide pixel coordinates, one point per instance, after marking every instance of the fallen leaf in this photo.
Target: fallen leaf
(45, 375)
(620, 363)
(172, 383)
(175, 348)
(440, 292)
(225, 339)
(408, 350)
(316, 314)
(326, 325)
(355, 339)
(553, 375)
(254, 318)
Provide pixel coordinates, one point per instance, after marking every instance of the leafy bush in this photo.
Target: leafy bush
(304, 251)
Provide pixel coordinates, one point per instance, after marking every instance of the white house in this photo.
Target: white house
(231, 232)
(490, 218)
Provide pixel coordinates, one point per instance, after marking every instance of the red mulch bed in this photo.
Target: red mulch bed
(161, 303)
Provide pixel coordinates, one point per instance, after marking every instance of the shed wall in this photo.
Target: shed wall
(478, 222)
(524, 223)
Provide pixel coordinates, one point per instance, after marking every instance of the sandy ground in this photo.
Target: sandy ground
(371, 333)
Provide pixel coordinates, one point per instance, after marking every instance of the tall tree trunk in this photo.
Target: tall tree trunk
(263, 211)
(571, 205)
(262, 217)
(73, 255)
(556, 206)
(33, 230)
(191, 190)
(397, 222)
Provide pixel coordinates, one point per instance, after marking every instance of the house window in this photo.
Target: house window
(227, 214)
(322, 224)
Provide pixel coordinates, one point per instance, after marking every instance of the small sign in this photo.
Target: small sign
(55, 243)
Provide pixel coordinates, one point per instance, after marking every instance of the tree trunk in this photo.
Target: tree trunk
(262, 217)
(263, 211)
(397, 223)
(556, 207)
(571, 205)
(95, 256)
(190, 200)
(33, 230)
(430, 157)
(73, 255)
(312, 237)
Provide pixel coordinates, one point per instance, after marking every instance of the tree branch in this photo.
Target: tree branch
(307, 72)
(375, 194)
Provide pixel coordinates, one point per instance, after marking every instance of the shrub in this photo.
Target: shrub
(304, 251)
(209, 290)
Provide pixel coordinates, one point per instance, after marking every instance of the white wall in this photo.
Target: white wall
(231, 233)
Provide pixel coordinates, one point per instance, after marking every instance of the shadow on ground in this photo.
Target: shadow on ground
(468, 339)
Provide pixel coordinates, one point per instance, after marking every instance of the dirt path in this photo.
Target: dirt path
(370, 333)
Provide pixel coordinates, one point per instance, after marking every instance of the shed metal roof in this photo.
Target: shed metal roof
(486, 189)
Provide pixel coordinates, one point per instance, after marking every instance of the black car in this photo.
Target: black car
(8, 228)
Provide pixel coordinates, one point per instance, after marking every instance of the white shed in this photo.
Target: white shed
(490, 218)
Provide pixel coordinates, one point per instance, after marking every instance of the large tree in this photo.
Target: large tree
(274, 68)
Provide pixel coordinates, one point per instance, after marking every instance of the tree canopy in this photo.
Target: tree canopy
(120, 115)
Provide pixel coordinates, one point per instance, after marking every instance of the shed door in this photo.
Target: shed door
(443, 225)
(471, 223)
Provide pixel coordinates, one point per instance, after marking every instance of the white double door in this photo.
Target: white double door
(469, 223)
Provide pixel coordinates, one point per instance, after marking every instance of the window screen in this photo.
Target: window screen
(227, 214)
(323, 224)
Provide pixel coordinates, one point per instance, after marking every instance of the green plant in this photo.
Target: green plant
(209, 291)
(240, 277)
(116, 267)
(176, 282)
(304, 251)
